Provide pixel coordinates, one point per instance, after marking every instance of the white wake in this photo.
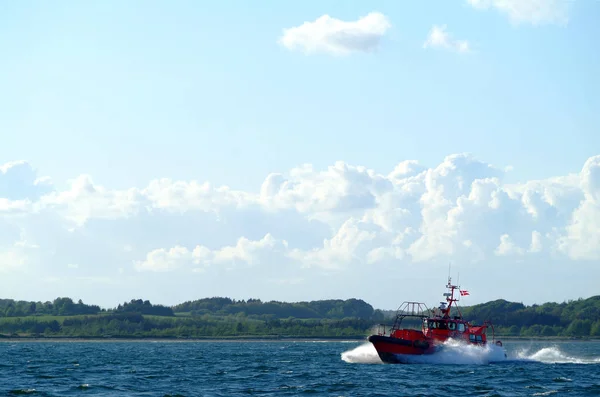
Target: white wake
(452, 352)
(553, 355)
(363, 354)
(458, 352)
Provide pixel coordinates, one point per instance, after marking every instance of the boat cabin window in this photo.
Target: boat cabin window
(475, 338)
(431, 324)
(450, 325)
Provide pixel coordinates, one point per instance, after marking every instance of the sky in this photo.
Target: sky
(299, 150)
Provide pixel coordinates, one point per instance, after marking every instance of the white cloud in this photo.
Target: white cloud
(345, 229)
(508, 247)
(582, 237)
(334, 36)
(245, 252)
(160, 260)
(84, 200)
(18, 180)
(535, 12)
(439, 38)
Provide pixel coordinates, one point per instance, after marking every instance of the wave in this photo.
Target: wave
(363, 354)
(553, 355)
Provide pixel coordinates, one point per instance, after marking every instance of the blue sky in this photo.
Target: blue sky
(129, 93)
(201, 90)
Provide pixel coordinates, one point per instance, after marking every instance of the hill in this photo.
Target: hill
(205, 318)
(332, 309)
(219, 317)
(573, 318)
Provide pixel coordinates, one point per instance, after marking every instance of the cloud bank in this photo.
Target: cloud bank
(334, 36)
(342, 231)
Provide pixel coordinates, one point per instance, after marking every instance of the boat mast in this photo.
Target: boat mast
(449, 297)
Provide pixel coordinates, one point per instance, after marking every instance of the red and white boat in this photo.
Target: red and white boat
(437, 326)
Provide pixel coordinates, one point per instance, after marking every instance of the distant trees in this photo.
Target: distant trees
(66, 307)
(334, 308)
(137, 325)
(58, 307)
(225, 317)
(144, 307)
(569, 319)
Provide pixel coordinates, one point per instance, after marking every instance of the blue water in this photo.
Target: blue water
(290, 369)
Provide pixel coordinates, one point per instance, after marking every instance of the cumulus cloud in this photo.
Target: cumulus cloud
(582, 237)
(18, 181)
(334, 36)
(84, 200)
(535, 12)
(341, 229)
(245, 252)
(439, 38)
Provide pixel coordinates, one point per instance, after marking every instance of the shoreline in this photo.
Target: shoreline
(258, 338)
(237, 339)
(173, 340)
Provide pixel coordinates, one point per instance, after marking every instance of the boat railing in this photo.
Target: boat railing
(412, 310)
(488, 323)
(381, 330)
(407, 309)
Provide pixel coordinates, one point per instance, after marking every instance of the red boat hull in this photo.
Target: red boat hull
(389, 348)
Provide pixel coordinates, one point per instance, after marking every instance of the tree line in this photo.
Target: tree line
(573, 318)
(226, 317)
(145, 326)
(58, 307)
(332, 308)
(67, 307)
(209, 317)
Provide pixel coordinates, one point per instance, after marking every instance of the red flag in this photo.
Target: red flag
(463, 293)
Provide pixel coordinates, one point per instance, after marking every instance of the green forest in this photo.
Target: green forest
(221, 317)
(568, 319)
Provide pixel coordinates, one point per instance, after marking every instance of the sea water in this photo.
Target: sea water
(291, 368)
